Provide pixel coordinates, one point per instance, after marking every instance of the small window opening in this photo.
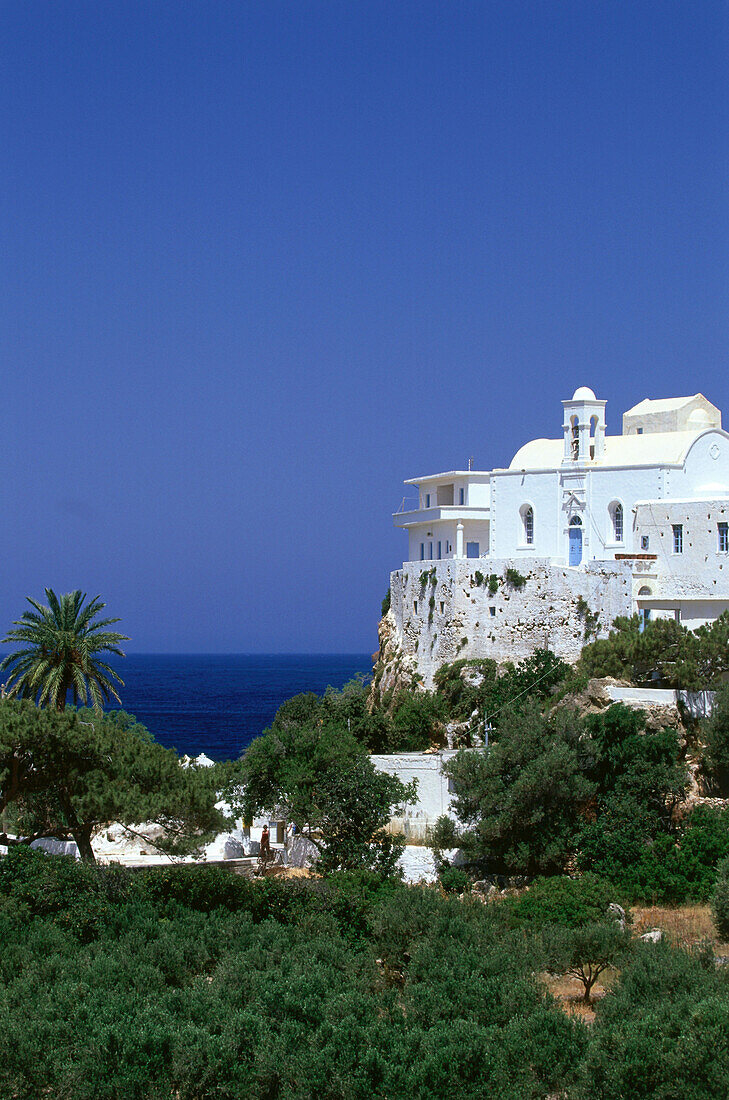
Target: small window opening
(415, 606)
(677, 538)
(529, 526)
(618, 522)
(442, 606)
(492, 611)
(461, 496)
(422, 551)
(645, 542)
(723, 538)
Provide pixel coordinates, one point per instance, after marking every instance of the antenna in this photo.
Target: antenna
(470, 462)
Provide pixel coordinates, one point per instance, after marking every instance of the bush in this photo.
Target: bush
(454, 880)
(514, 578)
(662, 1031)
(715, 736)
(720, 900)
(386, 603)
(571, 902)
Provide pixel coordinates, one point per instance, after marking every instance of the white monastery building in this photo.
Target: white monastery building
(597, 526)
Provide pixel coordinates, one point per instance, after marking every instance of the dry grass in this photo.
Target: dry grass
(569, 992)
(682, 925)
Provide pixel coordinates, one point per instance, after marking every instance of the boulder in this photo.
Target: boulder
(654, 936)
(617, 913)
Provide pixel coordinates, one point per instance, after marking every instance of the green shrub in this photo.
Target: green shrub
(720, 900)
(662, 1031)
(571, 902)
(454, 880)
(386, 603)
(493, 583)
(514, 578)
(479, 577)
(715, 737)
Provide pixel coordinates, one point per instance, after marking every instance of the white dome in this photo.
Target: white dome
(584, 393)
(699, 418)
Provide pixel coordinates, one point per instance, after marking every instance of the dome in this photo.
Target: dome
(699, 418)
(584, 393)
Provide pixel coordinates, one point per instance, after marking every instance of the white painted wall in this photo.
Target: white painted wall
(434, 799)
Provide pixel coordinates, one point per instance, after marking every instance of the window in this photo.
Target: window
(723, 538)
(616, 513)
(430, 551)
(439, 551)
(422, 551)
(415, 606)
(427, 500)
(638, 431)
(528, 517)
(492, 611)
(461, 496)
(442, 606)
(645, 542)
(575, 437)
(678, 538)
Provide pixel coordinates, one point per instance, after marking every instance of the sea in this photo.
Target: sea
(217, 703)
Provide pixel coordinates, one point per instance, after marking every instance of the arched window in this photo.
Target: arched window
(616, 516)
(645, 591)
(527, 518)
(593, 433)
(575, 437)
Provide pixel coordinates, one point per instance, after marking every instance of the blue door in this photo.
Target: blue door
(575, 541)
(472, 549)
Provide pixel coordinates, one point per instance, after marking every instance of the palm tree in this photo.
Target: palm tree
(62, 643)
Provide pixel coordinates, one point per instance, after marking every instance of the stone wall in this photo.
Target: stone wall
(442, 611)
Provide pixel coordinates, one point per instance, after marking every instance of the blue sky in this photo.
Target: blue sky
(262, 261)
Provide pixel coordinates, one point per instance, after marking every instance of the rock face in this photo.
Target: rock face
(393, 668)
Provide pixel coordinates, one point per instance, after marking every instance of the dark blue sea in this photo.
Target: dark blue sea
(217, 704)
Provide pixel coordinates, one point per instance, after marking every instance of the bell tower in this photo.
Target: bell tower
(584, 427)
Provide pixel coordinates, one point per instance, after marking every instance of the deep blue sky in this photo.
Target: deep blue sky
(261, 261)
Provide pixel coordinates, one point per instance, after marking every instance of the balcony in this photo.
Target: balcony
(409, 516)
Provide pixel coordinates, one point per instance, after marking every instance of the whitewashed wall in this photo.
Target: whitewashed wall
(434, 799)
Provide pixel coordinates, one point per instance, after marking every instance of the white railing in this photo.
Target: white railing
(408, 504)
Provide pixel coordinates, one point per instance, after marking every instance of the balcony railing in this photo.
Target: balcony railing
(408, 504)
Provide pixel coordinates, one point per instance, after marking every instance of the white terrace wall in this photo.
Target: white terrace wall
(442, 613)
(434, 799)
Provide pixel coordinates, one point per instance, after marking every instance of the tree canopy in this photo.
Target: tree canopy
(520, 800)
(661, 651)
(321, 778)
(62, 643)
(64, 774)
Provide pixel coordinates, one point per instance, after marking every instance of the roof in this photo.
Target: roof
(473, 474)
(662, 404)
(653, 448)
